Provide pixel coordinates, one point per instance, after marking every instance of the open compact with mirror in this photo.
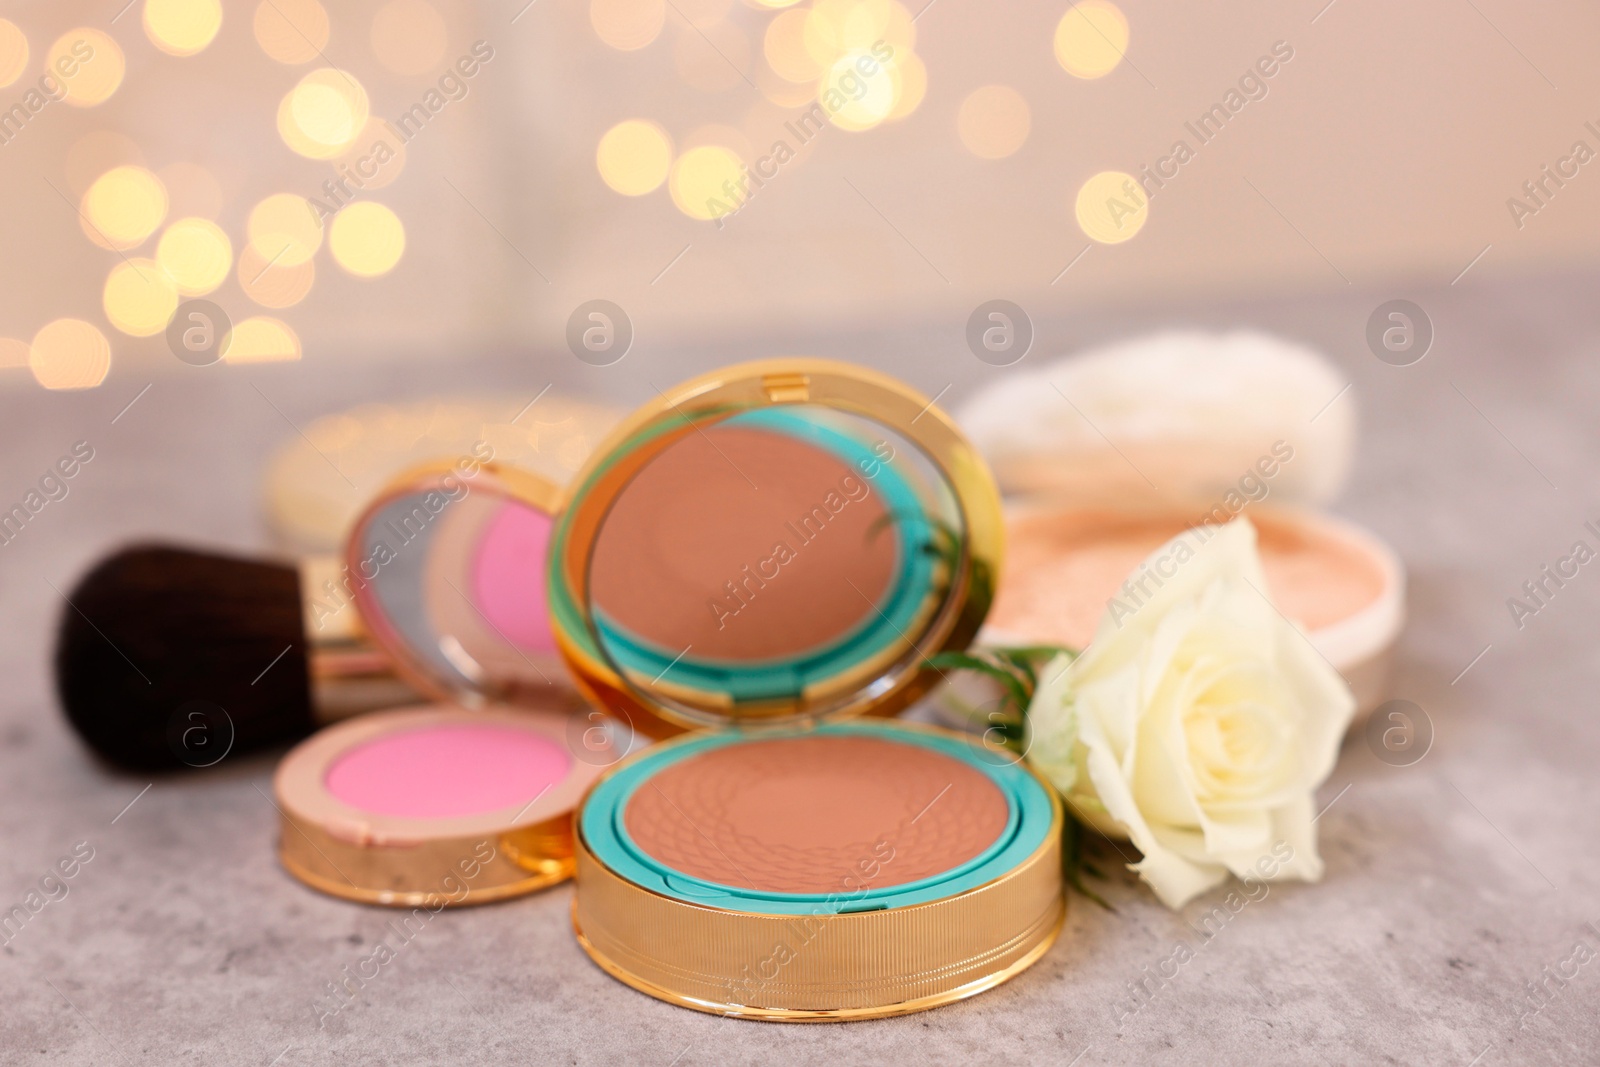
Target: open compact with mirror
(761, 562)
(470, 799)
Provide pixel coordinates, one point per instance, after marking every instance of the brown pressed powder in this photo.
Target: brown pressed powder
(824, 813)
(1063, 566)
(742, 544)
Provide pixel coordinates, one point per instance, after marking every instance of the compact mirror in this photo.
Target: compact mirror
(448, 571)
(757, 552)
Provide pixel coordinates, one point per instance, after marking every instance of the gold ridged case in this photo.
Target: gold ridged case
(822, 968)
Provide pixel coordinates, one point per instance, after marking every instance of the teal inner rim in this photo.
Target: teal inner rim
(748, 680)
(601, 823)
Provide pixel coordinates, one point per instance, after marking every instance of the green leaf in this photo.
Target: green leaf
(967, 661)
(1022, 666)
(1042, 653)
(1072, 861)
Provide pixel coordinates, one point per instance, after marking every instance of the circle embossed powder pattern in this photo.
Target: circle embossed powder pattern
(818, 814)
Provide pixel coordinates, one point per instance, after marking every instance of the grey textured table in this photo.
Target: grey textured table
(1451, 884)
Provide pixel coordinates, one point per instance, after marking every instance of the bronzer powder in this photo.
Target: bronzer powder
(1063, 566)
(816, 814)
(793, 854)
(743, 543)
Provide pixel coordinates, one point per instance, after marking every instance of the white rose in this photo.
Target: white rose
(1198, 723)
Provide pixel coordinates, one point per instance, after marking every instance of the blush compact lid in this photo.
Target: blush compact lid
(447, 569)
(778, 542)
(468, 800)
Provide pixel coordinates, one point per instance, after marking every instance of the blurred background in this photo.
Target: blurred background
(258, 255)
(196, 152)
(227, 224)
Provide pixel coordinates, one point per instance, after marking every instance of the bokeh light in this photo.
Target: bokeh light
(627, 25)
(284, 230)
(367, 239)
(1091, 38)
(13, 353)
(867, 99)
(13, 52)
(634, 157)
(123, 207)
(182, 27)
(191, 189)
(196, 255)
(95, 153)
(409, 36)
(262, 340)
(96, 63)
(910, 77)
(1111, 207)
(993, 121)
(783, 93)
(274, 284)
(376, 156)
(785, 47)
(291, 31)
(834, 27)
(323, 114)
(69, 354)
(139, 298)
(700, 178)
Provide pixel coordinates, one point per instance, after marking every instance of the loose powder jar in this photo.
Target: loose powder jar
(1068, 562)
(1207, 427)
(471, 799)
(762, 561)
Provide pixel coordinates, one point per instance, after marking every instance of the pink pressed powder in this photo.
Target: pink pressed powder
(508, 577)
(446, 771)
(801, 814)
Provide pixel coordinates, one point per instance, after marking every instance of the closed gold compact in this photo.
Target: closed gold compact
(762, 560)
(469, 799)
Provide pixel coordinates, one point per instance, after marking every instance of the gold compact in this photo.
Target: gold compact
(469, 799)
(763, 559)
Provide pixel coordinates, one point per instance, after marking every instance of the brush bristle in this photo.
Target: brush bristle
(154, 634)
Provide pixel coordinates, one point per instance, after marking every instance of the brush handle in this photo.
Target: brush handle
(349, 674)
(350, 679)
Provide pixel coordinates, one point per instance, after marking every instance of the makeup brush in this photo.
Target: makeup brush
(170, 656)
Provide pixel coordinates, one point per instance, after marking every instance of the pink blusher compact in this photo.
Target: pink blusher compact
(470, 799)
(444, 772)
(434, 805)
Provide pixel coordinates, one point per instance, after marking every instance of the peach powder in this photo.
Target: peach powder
(823, 813)
(1062, 567)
